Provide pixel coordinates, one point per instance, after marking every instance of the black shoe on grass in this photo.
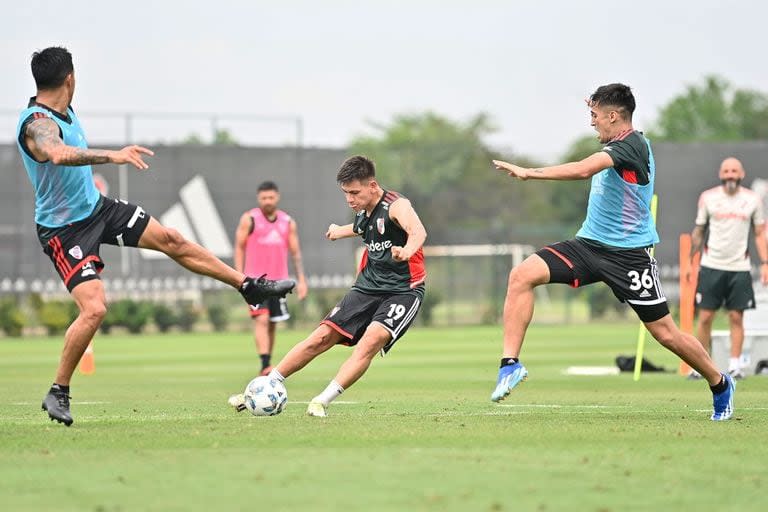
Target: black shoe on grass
(56, 402)
(254, 291)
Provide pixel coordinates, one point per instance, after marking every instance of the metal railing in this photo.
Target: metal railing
(214, 120)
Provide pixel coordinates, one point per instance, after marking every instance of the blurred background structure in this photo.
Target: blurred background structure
(285, 93)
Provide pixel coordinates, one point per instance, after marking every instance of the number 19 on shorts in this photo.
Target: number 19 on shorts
(396, 311)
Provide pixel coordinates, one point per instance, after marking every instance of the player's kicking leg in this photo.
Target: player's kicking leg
(201, 261)
(688, 348)
(382, 331)
(518, 311)
(319, 341)
(376, 337)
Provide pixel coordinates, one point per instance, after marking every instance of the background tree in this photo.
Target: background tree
(569, 198)
(713, 111)
(444, 167)
(222, 137)
(193, 139)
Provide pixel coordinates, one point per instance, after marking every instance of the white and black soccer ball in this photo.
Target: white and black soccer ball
(265, 396)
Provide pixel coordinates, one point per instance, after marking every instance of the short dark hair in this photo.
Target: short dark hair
(51, 66)
(267, 185)
(354, 168)
(615, 95)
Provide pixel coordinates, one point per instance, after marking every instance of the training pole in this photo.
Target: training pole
(688, 269)
(641, 331)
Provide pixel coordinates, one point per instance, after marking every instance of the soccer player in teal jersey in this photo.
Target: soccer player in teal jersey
(612, 246)
(73, 219)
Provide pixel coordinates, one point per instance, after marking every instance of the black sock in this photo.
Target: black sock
(506, 361)
(59, 387)
(265, 360)
(720, 387)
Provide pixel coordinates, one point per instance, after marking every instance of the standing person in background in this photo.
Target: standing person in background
(73, 219)
(723, 221)
(265, 236)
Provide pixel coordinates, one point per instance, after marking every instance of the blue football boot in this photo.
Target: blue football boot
(509, 376)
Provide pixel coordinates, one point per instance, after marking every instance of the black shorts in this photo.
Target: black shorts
(716, 287)
(357, 310)
(275, 307)
(74, 249)
(632, 274)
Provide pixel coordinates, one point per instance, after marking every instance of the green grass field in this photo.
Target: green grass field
(153, 432)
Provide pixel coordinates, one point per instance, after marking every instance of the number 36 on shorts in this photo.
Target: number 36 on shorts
(638, 280)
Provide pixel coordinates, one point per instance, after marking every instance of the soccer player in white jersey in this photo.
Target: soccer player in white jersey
(726, 214)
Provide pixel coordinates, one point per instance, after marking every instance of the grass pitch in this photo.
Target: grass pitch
(153, 432)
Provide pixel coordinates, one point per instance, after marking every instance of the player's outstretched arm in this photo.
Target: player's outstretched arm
(580, 170)
(44, 142)
(336, 232)
(406, 217)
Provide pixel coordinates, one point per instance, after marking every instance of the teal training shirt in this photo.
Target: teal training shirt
(63, 194)
(619, 211)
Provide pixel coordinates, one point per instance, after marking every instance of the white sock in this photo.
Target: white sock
(274, 374)
(734, 364)
(331, 393)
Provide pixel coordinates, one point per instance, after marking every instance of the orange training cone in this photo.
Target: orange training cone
(87, 362)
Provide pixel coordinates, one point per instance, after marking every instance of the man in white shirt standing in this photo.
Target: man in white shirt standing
(725, 214)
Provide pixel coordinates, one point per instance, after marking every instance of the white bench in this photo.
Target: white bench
(755, 335)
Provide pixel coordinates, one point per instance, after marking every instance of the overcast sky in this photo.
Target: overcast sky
(340, 64)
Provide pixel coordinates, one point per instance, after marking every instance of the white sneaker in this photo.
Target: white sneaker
(316, 408)
(237, 402)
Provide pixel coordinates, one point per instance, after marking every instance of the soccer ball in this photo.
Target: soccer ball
(265, 396)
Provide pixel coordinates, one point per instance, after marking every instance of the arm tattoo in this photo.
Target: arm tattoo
(44, 133)
(697, 240)
(78, 156)
(297, 265)
(46, 137)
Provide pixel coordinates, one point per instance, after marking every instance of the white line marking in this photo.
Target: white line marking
(591, 370)
(335, 402)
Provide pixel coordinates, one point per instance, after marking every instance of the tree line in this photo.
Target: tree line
(443, 165)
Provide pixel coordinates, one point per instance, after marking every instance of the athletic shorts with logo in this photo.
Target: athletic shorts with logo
(74, 249)
(715, 287)
(275, 307)
(631, 274)
(357, 310)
